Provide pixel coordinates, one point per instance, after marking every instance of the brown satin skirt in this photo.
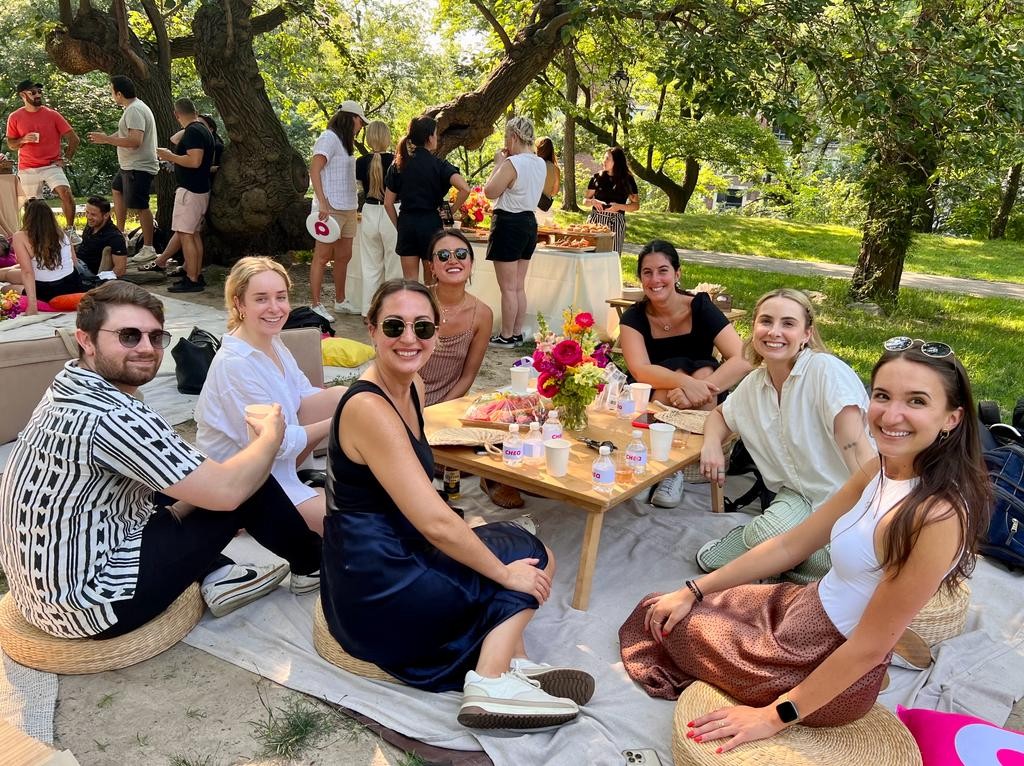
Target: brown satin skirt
(754, 642)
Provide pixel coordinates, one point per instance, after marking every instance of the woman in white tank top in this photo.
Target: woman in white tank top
(46, 258)
(900, 528)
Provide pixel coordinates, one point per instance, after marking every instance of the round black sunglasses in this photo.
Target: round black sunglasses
(393, 327)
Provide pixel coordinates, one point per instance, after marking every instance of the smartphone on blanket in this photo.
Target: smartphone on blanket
(641, 757)
(644, 420)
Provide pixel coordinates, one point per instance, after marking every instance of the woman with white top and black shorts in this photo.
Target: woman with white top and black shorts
(516, 183)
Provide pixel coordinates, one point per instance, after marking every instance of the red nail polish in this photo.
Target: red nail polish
(690, 724)
(689, 735)
(719, 751)
(697, 738)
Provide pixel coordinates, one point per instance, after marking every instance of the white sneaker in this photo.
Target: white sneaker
(243, 584)
(526, 522)
(669, 492)
(345, 307)
(573, 684)
(146, 254)
(511, 701)
(73, 236)
(299, 584)
(321, 310)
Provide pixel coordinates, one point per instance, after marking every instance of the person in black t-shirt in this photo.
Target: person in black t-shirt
(192, 158)
(99, 233)
(420, 181)
(611, 194)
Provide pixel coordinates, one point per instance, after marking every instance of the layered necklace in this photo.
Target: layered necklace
(449, 311)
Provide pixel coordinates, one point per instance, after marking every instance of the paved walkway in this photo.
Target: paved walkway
(976, 287)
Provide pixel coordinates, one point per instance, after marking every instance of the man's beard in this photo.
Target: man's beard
(124, 374)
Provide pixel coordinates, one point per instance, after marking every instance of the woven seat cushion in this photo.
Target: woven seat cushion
(33, 648)
(331, 650)
(876, 739)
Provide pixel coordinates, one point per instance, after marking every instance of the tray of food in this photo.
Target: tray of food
(498, 409)
(476, 235)
(588, 228)
(571, 244)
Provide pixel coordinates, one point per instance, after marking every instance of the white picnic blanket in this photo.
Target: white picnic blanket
(643, 549)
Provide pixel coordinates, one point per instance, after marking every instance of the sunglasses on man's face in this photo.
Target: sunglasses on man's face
(443, 255)
(34, 91)
(934, 349)
(130, 337)
(393, 327)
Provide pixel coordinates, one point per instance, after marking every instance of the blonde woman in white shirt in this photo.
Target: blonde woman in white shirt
(253, 366)
(516, 185)
(801, 415)
(332, 171)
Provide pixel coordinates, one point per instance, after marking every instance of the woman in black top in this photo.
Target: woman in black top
(377, 234)
(420, 181)
(611, 194)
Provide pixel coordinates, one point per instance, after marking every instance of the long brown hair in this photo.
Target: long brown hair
(546, 150)
(40, 224)
(420, 131)
(951, 472)
(344, 125)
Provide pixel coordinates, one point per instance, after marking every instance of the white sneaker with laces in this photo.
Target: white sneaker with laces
(321, 310)
(146, 254)
(577, 685)
(243, 584)
(511, 701)
(345, 307)
(526, 522)
(669, 492)
(73, 236)
(299, 584)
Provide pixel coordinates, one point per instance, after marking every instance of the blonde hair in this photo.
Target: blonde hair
(378, 137)
(522, 129)
(814, 342)
(238, 282)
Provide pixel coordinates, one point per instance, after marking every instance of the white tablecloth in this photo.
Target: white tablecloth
(555, 281)
(11, 199)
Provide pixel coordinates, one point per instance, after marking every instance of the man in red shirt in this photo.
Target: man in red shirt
(35, 131)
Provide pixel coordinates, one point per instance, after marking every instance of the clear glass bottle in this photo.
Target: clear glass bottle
(552, 426)
(636, 454)
(603, 471)
(513, 447)
(533, 445)
(626, 406)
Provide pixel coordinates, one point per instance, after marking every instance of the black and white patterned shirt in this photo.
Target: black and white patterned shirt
(75, 497)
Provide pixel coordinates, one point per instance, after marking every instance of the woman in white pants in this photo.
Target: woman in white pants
(377, 234)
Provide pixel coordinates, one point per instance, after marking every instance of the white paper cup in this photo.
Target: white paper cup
(641, 394)
(258, 411)
(556, 456)
(520, 379)
(661, 440)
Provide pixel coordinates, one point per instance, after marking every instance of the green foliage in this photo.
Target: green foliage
(289, 730)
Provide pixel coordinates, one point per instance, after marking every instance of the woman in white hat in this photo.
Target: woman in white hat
(333, 174)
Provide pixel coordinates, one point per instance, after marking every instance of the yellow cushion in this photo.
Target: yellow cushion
(345, 352)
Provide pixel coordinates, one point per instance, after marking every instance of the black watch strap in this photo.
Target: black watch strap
(787, 712)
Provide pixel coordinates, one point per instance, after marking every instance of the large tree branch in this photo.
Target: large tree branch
(185, 47)
(496, 25)
(163, 46)
(124, 42)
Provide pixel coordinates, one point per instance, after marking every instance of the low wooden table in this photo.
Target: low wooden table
(576, 486)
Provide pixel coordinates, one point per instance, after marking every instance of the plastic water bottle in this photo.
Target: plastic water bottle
(533, 445)
(636, 454)
(552, 426)
(626, 406)
(513, 447)
(603, 471)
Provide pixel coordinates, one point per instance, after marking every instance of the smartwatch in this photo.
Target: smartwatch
(787, 712)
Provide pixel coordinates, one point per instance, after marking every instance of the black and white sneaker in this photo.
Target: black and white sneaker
(300, 584)
(501, 341)
(518, 339)
(243, 584)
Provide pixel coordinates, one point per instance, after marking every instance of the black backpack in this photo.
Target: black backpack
(304, 316)
(1005, 537)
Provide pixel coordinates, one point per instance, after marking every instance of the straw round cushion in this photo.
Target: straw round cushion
(328, 648)
(33, 648)
(877, 738)
(685, 420)
(944, 616)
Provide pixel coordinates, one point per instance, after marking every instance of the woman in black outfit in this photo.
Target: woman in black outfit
(611, 194)
(420, 181)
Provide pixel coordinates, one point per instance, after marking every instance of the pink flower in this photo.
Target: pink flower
(568, 353)
(601, 355)
(584, 319)
(547, 385)
(544, 363)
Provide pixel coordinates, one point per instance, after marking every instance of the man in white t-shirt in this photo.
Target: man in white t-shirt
(136, 143)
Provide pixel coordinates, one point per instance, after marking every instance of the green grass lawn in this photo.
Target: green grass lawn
(929, 254)
(985, 332)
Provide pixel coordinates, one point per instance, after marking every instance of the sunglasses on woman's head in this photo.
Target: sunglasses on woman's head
(443, 255)
(393, 327)
(934, 349)
(130, 337)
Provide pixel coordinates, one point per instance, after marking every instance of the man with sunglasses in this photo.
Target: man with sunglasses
(36, 132)
(107, 515)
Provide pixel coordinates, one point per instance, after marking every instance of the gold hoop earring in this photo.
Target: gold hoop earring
(241, 315)
(943, 434)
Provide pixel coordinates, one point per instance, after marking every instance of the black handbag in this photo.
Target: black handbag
(545, 202)
(192, 359)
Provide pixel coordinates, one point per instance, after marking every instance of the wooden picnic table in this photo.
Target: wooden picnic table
(575, 488)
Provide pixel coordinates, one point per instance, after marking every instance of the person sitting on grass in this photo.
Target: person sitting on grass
(408, 585)
(905, 525)
(800, 414)
(107, 515)
(253, 366)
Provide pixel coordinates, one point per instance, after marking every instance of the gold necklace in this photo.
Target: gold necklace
(446, 310)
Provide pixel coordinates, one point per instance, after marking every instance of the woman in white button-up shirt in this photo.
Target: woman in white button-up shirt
(800, 414)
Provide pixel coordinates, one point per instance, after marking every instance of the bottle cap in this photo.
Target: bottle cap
(534, 425)
(605, 450)
(513, 428)
(636, 433)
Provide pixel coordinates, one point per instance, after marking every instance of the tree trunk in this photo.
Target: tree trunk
(572, 77)
(1011, 188)
(690, 176)
(924, 222)
(258, 202)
